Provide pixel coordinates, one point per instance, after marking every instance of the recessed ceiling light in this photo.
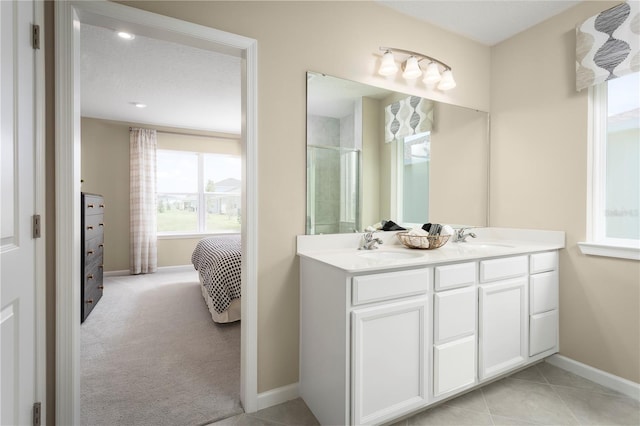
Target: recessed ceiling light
(125, 35)
(138, 104)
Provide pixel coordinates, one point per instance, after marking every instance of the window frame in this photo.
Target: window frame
(201, 197)
(598, 244)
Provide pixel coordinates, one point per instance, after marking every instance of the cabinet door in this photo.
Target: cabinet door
(389, 360)
(503, 326)
(454, 365)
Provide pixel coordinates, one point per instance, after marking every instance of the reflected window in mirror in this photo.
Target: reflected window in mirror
(413, 178)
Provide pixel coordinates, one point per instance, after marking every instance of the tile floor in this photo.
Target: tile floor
(540, 395)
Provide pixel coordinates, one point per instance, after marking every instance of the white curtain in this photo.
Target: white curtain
(142, 174)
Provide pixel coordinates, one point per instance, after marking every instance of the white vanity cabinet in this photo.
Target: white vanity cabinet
(381, 339)
(454, 327)
(503, 315)
(543, 306)
(364, 352)
(389, 362)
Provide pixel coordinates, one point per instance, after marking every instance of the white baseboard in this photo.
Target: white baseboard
(179, 268)
(277, 396)
(624, 386)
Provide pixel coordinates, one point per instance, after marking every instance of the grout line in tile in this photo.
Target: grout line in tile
(541, 373)
(516, 418)
(614, 395)
(566, 405)
(486, 404)
(460, 408)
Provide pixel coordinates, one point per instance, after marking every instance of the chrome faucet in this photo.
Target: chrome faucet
(369, 242)
(459, 235)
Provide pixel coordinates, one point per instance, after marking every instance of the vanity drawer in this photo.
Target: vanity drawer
(454, 313)
(499, 269)
(453, 276)
(542, 262)
(390, 285)
(543, 292)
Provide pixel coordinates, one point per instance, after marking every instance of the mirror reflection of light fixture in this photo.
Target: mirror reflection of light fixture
(411, 68)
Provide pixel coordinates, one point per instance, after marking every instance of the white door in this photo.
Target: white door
(389, 360)
(17, 247)
(503, 326)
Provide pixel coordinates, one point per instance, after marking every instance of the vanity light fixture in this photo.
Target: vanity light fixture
(411, 68)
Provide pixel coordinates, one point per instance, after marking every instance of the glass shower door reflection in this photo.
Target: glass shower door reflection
(333, 176)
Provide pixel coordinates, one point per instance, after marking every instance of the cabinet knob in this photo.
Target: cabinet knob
(101, 245)
(90, 276)
(89, 252)
(89, 301)
(101, 287)
(101, 224)
(101, 206)
(90, 227)
(89, 206)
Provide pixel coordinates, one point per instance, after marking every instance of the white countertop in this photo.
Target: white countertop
(341, 250)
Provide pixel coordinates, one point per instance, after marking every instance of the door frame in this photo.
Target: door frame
(68, 15)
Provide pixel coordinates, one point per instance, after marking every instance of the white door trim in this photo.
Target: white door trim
(67, 121)
(40, 208)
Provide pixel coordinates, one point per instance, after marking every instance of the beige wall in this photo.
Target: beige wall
(371, 181)
(340, 39)
(539, 180)
(105, 170)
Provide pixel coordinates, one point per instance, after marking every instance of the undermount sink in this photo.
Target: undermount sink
(388, 255)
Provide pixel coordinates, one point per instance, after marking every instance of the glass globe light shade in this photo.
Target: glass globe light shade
(447, 82)
(432, 75)
(411, 68)
(388, 65)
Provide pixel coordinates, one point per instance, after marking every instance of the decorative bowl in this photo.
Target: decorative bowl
(426, 242)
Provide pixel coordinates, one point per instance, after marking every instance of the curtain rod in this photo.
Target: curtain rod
(168, 132)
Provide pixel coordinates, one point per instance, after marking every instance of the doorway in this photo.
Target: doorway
(68, 17)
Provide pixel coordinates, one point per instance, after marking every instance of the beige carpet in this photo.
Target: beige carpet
(151, 355)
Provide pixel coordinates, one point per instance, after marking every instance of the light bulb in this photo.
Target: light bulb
(388, 65)
(411, 68)
(432, 75)
(447, 82)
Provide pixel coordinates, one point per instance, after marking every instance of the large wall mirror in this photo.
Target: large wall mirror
(374, 154)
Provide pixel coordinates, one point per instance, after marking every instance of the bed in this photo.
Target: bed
(218, 261)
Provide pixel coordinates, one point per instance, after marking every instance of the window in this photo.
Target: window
(615, 169)
(198, 192)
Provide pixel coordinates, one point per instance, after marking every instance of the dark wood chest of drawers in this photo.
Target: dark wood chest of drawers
(92, 249)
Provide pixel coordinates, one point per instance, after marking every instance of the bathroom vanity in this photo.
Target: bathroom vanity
(387, 332)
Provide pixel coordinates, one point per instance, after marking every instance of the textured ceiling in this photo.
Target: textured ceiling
(488, 22)
(182, 86)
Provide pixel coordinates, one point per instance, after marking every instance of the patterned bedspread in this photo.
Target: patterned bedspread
(217, 260)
